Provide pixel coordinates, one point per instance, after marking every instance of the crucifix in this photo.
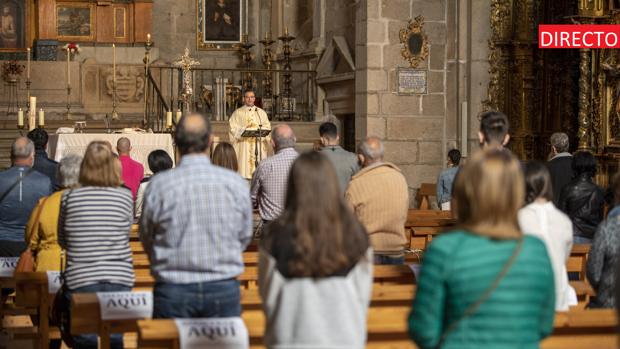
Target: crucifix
(185, 62)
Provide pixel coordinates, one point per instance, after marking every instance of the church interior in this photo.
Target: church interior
(417, 74)
(311, 61)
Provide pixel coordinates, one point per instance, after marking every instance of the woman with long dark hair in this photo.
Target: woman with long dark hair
(315, 270)
(542, 219)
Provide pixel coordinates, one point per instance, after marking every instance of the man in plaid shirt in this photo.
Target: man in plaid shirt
(270, 179)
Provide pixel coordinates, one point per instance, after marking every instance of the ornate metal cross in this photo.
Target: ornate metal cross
(185, 62)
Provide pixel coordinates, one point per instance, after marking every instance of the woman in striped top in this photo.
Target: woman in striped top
(94, 226)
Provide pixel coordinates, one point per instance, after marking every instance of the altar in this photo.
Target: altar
(142, 144)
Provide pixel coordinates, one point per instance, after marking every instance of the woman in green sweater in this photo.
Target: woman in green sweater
(485, 284)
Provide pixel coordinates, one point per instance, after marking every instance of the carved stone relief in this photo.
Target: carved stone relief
(129, 82)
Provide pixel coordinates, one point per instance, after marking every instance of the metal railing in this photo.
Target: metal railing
(218, 92)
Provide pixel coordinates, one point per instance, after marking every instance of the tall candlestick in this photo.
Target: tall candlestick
(68, 68)
(20, 118)
(114, 64)
(41, 118)
(28, 63)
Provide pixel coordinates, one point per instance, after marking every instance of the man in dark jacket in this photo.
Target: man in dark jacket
(560, 165)
(42, 163)
(582, 200)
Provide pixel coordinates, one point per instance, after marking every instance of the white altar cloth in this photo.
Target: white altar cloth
(142, 145)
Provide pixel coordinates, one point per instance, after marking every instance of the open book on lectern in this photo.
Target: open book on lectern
(255, 133)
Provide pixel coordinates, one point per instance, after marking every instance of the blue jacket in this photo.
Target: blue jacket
(16, 207)
(444, 184)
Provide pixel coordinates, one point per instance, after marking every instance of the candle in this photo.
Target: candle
(33, 104)
(169, 119)
(114, 65)
(28, 63)
(179, 114)
(285, 31)
(148, 37)
(20, 118)
(41, 118)
(32, 113)
(68, 68)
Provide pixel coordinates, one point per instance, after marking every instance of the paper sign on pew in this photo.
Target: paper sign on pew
(7, 266)
(215, 333)
(125, 305)
(54, 281)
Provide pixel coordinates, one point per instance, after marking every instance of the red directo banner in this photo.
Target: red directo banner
(578, 36)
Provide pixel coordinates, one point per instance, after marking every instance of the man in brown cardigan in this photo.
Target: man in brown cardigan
(379, 196)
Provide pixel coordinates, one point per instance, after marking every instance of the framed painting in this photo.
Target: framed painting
(75, 21)
(13, 25)
(220, 24)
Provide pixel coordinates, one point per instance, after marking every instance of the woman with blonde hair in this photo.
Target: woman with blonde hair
(315, 265)
(94, 226)
(485, 284)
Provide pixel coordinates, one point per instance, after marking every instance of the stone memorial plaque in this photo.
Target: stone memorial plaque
(216, 333)
(54, 281)
(125, 305)
(411, 81)
(7, 266)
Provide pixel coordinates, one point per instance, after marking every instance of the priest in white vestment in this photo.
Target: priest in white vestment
(248, 117)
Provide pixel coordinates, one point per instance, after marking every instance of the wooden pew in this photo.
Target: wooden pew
(86, 318)
(387, 328)
(31, 291)
(424, 194)
(578, 260)
(421, 225)
(595, 328)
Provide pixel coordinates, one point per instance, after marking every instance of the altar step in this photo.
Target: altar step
(306, 132)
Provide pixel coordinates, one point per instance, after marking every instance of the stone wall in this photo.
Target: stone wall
(419, 130)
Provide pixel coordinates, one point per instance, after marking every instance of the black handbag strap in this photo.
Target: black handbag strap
(472, 308)
(21, 178)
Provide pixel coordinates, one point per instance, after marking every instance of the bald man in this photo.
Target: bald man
(132, 171)
(21, 187)
(195, 224)
(379, 196)
(270, 179)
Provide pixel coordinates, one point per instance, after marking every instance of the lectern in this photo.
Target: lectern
(258, 137)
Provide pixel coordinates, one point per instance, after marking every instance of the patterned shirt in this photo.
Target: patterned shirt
(94, 227)
(270, 181)
(196, 221)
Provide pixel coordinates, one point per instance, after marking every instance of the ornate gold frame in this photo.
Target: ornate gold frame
(220, 46)
(91, 7)
(414, 28)
(116, 8)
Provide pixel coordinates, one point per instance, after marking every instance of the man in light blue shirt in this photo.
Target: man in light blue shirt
(196, 222)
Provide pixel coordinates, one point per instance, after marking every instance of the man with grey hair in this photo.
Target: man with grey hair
(560, 165)
(379, 196)
(269, 182)
(21, 187)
